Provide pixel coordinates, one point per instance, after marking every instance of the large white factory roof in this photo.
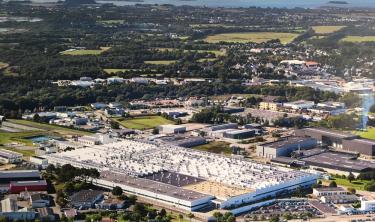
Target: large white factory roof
(140, 159)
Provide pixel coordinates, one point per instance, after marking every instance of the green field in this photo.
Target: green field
(113, 71)
(143, 122)
(23, 152)
(356, 184)
(257, 37)
(215, 52)
(160, 62)
(81, 52)
(215, 147)
(369, 134)
(50, 128)
(207, 60)
(327, 29)
(20, 137)
(358, 39)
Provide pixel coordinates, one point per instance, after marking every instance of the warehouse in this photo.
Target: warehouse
(362, 146)
(7, 156)
(284, 147)
(171, 129)
(232, 181)
(239, 134)
(223, 127)
(20, 186)
(161, 192)
(339, 163)
(326, 136)
(85, 199)
(186, 142)
(18, 175)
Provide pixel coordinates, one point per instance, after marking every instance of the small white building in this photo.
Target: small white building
(300, 104)
(40, 161)
(367, 205)
(171, 129)
(329, 191)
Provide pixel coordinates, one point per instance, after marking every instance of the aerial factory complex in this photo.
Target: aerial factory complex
(186, 178)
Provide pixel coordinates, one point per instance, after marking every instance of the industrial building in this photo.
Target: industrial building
(39, 161)
(195, 177)
(10, 210)
(367, 205)
(339, 199)
(18, 175)
(7, 156)
(38, 200)
(301, 104)
(239, 134)
(284, 146)
(326, 136)
(85, 199)
(171, 129)
(223, 126)
(181, 141)
(329, 191)
(329, 161)
(362, 146)
(340, 140)
(20, 186)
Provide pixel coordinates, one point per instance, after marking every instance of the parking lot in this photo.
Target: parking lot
(293, 208)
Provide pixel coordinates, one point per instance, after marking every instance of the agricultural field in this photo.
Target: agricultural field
(81, 52)
(257, 37)
(143, 122)
(369, 134)
(161, 62)
(327, 29)
(215, 147)
(358, 39)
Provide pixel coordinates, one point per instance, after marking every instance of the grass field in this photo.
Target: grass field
(143, 122)
(215, 147)
(50, 128)
(358, 39)
(18, 137)
(327, 29)
(23, 152)
(207, 60)
(356, 184)
(81, 52)
(160, 62)
(257, 37)
(369, 134)
(112, 71)
(215, 52)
